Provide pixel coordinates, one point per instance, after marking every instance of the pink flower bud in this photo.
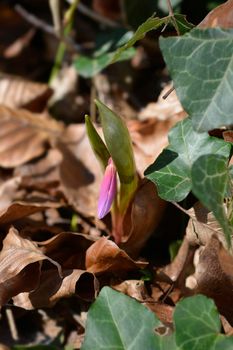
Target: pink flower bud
(108, 189)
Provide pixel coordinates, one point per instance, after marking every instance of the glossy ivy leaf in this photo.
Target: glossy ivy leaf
(210, 184)
(171, 171)
(198, 325)
(151, 24)
(116, 321)
(201, 66)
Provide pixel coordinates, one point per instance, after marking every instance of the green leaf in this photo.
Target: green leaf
(34, 347)
(97, 144)
(201, 66)
(119, 145)
(90, 66)
(197, 323)
(106, 45)
(183, 25)
(171, 171)
(210, 184)
(151, 24)
(118, 322)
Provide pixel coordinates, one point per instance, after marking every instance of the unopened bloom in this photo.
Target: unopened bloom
(108, 189)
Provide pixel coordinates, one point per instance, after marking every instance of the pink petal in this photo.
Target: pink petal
(108, 189)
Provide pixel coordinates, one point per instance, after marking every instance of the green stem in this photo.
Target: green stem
(69, 20)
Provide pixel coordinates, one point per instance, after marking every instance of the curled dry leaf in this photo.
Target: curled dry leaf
(133, 288)
(16, 92)
(52, 288)
(142, 218)
(177, 269)
(68, 249)
(18, 256)
(23, 135)
(221, 16)
(20, 209)
(214, 275)
(104, 256)
(203, 225)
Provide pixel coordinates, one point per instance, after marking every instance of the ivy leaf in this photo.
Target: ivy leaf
(116, 321)
(201, 66)
(171, 171)
(198, 325)
(210, 184)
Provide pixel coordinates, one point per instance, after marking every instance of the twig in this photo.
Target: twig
(171, 13)
(95, 16)
(168, 92)
(38, 23)
(12, 324)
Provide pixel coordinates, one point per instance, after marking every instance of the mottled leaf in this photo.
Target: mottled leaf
(203, 82)
(210, 183)
(171, 171)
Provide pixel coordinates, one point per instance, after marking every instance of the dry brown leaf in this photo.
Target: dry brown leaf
(104, 256)
(19, 44)
(228, 136)
(16, 92)
(149, 138)
(17, 257)
(80, 173)
(142, 218)
(162, 109)
(107, 8)
(214, 276)
(8, 189)
(163, 311)
(23, 135)
(133, 288)
(52, 288)
(43, 174)
(68, 249)
(177, 269)
(221, 16)
(136, 289)
(19, 210)
(203, 225)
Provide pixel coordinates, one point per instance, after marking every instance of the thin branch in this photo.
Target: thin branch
(168, 92)
(12, 324)
(38, 23)
(95, 16)
(171, 13)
